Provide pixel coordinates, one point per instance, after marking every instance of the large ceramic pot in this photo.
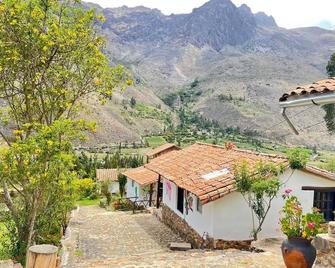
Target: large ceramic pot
(298, 253)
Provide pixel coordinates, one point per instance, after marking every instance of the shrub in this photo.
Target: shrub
(122, 184)
(105, 191)
(297, 157)
(296, 224)
(84, 187)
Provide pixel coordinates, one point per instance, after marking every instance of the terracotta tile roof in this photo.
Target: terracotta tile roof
(206, 170)
(161, 149)
(319, 87)
(141, 175)
(108, 174)
(320, 172)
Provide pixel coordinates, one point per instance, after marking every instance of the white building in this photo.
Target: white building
(141, 185)
(199, 193)
(111, 177)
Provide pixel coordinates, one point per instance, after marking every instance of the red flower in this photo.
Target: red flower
(311, 225)
(288, 191)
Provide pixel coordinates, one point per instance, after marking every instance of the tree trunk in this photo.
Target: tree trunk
(32, 225)
(42, 256)
(9, 202)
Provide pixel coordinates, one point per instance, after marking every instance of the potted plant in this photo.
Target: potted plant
(300, 230)
(117, 204)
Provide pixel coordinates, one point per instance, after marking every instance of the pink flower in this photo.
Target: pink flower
(288, 191)
(310, 225)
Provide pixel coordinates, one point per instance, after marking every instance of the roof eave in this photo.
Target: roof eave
(311, 99)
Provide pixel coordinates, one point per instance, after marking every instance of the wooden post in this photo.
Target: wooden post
(42, 256)
(151, 192)
(158, 184)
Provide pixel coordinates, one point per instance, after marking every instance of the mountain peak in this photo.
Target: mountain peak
(264, 20)
(217, 4)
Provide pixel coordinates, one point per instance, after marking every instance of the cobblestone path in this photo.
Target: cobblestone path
(104, 239)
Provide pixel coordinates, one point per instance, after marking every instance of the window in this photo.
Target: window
(325, 201)
(180, 200)
(135, 191)
(132, 183)
(199, 205)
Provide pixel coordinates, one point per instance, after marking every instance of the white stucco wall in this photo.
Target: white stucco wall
(199, 221)
(131, 190)
(232, 217)
(114, 187)
(229, 218)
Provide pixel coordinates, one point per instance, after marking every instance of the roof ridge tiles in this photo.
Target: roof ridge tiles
(242, 150)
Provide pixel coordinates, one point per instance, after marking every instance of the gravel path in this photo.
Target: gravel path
(104, 239)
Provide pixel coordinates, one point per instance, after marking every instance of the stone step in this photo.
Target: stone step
(180, 246)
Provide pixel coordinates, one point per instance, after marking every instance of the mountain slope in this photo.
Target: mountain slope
(230, 51)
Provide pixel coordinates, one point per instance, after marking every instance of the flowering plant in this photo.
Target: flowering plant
(296, 224)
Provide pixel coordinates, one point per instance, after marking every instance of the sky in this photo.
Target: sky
(287, 13)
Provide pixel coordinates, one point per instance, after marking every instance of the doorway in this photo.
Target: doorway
(180, 200)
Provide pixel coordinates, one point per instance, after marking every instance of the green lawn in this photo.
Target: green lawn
(88, 202)
(155, 141)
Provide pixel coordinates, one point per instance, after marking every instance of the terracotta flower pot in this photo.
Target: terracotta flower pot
(117, 205)
(298, 252)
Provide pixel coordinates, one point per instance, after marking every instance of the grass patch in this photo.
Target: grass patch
(155, 141)
(88, 202)
(4, 243)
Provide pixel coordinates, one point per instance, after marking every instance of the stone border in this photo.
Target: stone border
(68, 241)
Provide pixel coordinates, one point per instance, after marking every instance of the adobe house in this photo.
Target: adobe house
(110, 176)
(163, 149)
(200, 199)
(141, 185)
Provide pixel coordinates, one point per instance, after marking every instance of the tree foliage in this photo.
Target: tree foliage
(259, 186)
(87, 165)
(330, 108)
(331, 66)
(297, 157)
(122, 179)
(39, 168)
(51, 59)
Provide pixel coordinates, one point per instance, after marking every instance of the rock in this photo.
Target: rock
(180, 246)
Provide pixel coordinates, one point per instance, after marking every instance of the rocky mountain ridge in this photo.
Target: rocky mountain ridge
(230, 51)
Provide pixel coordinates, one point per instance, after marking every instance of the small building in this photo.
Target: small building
(110, 176)
(141, 185)
(163, 149)
(200, 198)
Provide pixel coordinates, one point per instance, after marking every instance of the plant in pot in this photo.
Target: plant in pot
(300, 229)
(117, 204)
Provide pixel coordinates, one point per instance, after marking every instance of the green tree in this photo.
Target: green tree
(122, 184)
(51, 59)
(331, 66)
(330, 108)
(39, 168)
(259, 186)
(297, 157)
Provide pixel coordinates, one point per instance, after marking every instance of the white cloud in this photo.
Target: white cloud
(288, 13)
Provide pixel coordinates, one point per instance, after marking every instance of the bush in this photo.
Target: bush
(84, 187)
(297, 157)
(105, 191)
(122, 183)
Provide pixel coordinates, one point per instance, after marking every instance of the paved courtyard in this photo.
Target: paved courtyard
(99, 238)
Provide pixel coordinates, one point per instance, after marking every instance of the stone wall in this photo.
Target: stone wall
(325, 245)
(184, 230)
(181, 227)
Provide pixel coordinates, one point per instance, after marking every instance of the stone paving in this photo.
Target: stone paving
(102, 239)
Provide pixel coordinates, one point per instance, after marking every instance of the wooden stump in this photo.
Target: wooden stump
(331, 229)
(42, 256)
